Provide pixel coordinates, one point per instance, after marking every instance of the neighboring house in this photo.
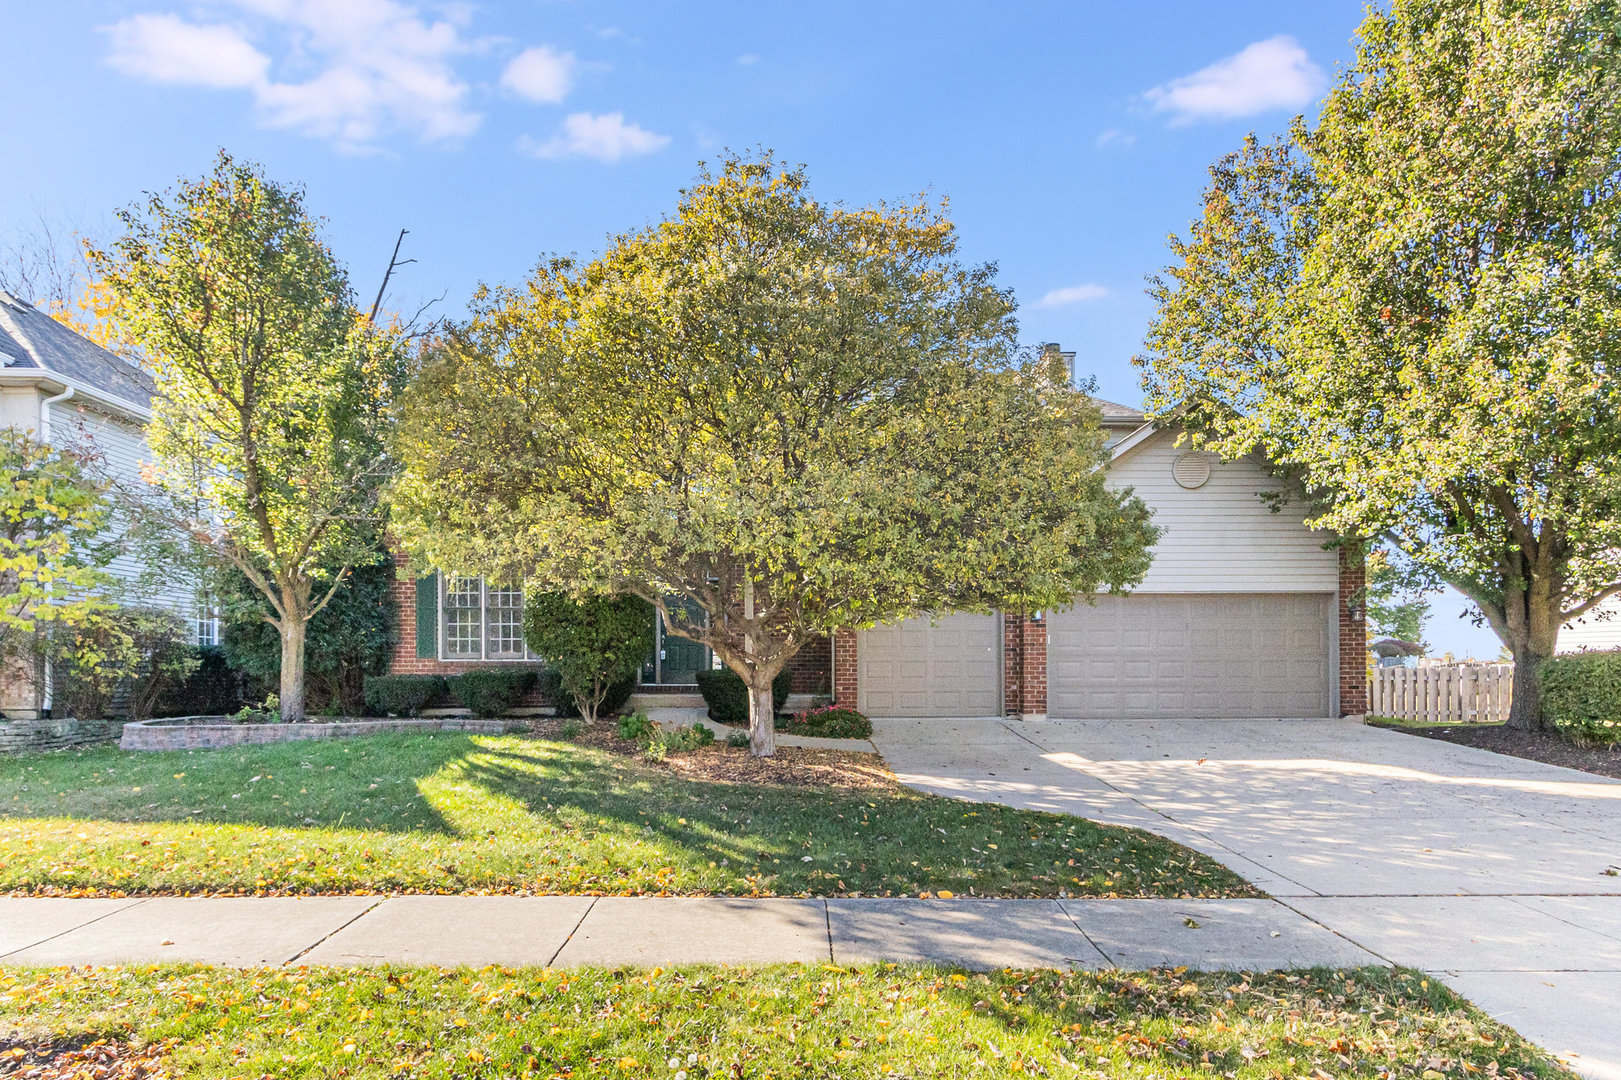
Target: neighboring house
(71, 392)
(1600, 628)
(1244, 613)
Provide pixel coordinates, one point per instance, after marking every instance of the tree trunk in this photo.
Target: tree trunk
(762, 720)
(1525, 710)
(292, 670)
(589, 708)
(1533, 623)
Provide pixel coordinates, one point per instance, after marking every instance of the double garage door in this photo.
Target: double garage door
(1126, 657)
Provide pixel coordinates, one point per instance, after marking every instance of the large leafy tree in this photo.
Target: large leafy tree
(1414, 305)
(794, 415)
(271, 389)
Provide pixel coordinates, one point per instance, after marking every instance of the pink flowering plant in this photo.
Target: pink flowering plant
(830, 722)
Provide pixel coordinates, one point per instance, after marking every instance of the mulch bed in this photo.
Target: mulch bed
(792, 766)
(80, 1059)
(1543, 746)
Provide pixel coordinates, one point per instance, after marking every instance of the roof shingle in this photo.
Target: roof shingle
(32, 339)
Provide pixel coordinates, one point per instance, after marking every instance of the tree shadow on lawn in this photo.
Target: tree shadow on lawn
(704, 823)
(453, 785)
(374, 782)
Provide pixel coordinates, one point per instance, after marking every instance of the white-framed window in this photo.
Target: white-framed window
(480, 621)
(207, 623)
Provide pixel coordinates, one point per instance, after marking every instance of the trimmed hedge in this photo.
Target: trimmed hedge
(403, 695)
(213, 689)
(488, 694)
(728, 698)
(562, 702)
(1581, 696)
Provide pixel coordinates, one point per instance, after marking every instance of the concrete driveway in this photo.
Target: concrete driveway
(1498, 875)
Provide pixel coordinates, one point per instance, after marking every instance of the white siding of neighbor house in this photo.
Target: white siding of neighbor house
(120, 449)
(1221, 537)
(1598, 629)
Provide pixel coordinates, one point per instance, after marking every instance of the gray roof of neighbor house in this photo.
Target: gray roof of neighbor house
(31, 339)
(1115, 413)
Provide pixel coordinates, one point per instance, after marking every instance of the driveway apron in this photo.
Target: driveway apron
(1498, 875)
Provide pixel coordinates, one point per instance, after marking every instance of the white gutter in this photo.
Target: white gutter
(45, 412)
(83, 391)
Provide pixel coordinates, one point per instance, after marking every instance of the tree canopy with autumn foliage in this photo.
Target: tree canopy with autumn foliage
(794, 415)
(271, 389)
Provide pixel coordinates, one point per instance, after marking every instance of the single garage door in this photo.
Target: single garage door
(1199, 655)
(915, 668)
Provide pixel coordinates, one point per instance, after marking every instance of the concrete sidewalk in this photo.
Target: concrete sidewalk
(566, 931)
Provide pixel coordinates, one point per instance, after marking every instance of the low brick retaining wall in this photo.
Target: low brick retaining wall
(201, 733)
(19, 735)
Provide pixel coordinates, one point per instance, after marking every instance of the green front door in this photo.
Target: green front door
(676, 660)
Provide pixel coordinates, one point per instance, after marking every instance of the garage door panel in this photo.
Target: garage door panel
(913, 668)
(1193, 655)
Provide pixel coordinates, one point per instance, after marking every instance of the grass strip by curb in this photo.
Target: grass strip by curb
(789, 1020)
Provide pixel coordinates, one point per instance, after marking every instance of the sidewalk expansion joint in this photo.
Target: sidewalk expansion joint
(1107, 959)
(1370, 950)
(346, 923)
(583, 916)
(71, 929)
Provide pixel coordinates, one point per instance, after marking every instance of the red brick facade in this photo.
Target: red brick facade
(405, 660)
(844, 669)
(1024, 666)
(1353, 617)
(811, 667)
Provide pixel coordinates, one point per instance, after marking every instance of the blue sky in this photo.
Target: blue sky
(1070, 138)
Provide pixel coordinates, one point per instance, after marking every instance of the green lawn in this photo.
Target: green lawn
(784, 1021)
(1400, 722)
(457, 813)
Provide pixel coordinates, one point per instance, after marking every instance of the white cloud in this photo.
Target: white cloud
(1271, 74)
(748, 59)
(167, 49)
(1114, 137)
(351, 70)
(1073, 294)
(603, 138)
(540, 74)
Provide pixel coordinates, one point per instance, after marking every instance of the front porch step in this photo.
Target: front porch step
(642, 701)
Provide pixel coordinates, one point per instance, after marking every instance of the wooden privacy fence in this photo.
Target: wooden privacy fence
(1471, 693)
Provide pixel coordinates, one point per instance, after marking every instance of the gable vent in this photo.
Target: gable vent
(1192, 469)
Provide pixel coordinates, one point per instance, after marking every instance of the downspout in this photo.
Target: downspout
(45, 413)
(45, 701)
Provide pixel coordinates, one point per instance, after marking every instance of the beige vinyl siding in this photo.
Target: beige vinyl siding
(1600, 628)
(19, 407)
(1222, 538)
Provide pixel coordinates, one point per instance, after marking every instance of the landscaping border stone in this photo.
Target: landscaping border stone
(208, 732)
(17, 736)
